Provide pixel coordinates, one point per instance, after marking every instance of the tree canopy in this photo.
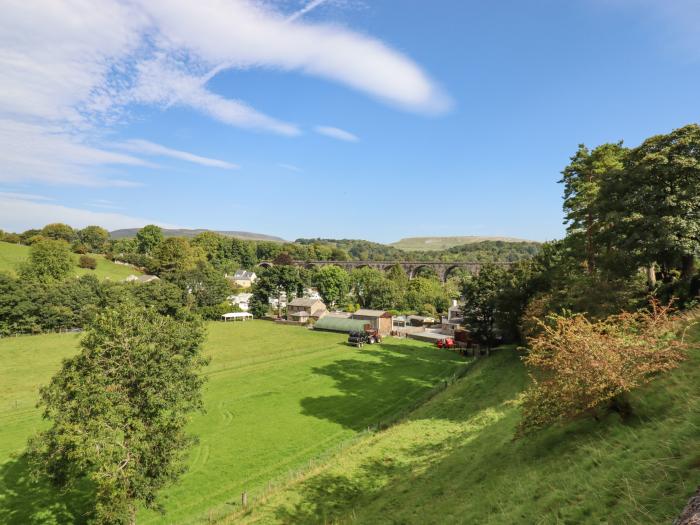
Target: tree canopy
(119, 408)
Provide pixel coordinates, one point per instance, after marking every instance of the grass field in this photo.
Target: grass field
(277, 396)
(11, 255)
(421, 244)
(454, 461)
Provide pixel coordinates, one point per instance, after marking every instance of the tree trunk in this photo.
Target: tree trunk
(687, 266)
(590, 255)
(651, 276)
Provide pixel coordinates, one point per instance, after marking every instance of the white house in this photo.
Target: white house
(243, 278)
(312, 293)
(241, 300)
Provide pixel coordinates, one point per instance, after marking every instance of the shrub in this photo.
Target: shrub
(87, 262)
(579, 366)
(80, 248)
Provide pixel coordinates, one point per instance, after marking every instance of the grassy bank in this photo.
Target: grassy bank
(454, 461)
(12, 255)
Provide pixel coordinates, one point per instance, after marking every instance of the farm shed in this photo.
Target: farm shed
(379, 319)
(339, 324)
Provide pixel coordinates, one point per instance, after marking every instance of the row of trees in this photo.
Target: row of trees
(363, 287)
(633, 231)
(46, 295)
(229, 253)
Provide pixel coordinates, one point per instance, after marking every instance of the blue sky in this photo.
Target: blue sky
(337, 118)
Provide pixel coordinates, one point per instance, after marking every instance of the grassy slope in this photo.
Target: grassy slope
(454, 461)
(419, 244)
(277, 396)
(11, 255)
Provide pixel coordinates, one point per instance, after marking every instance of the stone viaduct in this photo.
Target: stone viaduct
(412, 268)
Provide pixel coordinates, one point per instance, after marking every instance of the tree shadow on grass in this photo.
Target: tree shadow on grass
(480, 474)
(376, 392)
(328, 498)
(25, 502)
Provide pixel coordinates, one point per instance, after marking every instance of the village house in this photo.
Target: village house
(241, 300)
(379, 320)
(302, 309)
(242, 278)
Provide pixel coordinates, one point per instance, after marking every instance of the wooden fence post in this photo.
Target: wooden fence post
(244, 499)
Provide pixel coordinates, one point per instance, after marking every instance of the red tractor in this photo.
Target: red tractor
(448, 342)
(359, 339)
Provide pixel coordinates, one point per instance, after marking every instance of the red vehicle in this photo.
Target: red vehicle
(446, 343)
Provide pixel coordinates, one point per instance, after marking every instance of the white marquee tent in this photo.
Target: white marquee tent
(237, 316)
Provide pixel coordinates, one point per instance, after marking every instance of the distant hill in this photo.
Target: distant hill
(422, 244)
(248, 236)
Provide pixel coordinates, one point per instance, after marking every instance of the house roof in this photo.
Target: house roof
(299, 314)
(370, 313)
(304, 301)
(243, 275)
(338, 324)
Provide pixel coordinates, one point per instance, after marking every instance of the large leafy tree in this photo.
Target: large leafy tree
(203, 286)
(119, 408)
(654, 204)
(582, 180)
(49, 260)
(58, 232)
(148, 238)
(94, 237)
(175, 255)
(333, 284)
(373, 290)
(481, 296)
(242, 253)
(422, 291)
(273, 282)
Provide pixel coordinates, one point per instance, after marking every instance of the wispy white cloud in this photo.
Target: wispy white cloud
(290, 167)
(71, 69)
(45, 153)
(336, 133)
(165, 82)
(18, 214)
(245, 34)
(151, 148)
(310, 6)
(24, 196)
(104, 204)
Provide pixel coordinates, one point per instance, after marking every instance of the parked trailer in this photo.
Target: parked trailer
(359, 339)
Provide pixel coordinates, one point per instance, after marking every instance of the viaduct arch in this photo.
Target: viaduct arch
(441, 269)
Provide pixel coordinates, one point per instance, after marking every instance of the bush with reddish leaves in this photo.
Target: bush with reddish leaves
(579, 367)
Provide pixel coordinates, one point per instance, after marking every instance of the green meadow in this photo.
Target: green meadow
(12, 255)
(276, 397)
(454, 460)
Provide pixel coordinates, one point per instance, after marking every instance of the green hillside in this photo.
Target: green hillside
(11, 255)
(276, 397)
(423, 244)
(454, 461)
